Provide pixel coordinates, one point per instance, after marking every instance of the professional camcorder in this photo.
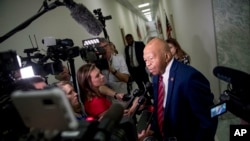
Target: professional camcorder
(60, 49)
(236, 98)
(92, 53)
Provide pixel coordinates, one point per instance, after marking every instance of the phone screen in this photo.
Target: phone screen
(218, 109)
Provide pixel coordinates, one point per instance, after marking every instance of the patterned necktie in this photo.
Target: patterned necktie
(160, 110)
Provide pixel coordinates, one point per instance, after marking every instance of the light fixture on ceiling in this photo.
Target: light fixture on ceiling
(145, 10)
(143, 5)
(149, 17)
(147, 13)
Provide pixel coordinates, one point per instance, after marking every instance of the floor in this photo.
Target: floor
(223, 128)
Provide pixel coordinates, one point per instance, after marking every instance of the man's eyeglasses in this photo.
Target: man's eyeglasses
(104, 46)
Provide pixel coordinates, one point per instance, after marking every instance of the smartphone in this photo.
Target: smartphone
(218, 109)
(45, 109)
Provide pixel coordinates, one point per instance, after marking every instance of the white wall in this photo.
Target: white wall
(60, 24)
(193, 25)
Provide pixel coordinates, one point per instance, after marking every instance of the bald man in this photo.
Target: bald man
(187, 97)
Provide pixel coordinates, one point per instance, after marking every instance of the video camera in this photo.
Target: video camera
(236, 98)
(63, 49)
(92, 53)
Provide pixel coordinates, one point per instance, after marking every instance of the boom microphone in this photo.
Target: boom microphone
(235, 77)
(84, 17)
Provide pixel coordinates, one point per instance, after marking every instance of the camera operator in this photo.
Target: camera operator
(116, 74)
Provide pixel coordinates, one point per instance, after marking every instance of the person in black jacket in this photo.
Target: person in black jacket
(135, 62)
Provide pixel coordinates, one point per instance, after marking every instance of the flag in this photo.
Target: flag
(159, 25)
(168, 28)
(138, 32)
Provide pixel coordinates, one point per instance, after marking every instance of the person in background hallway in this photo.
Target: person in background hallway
(134, 60)
(177, 51)
(72, 96)
(182, 100)
(117, 74)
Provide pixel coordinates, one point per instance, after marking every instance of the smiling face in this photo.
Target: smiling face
(156, 56)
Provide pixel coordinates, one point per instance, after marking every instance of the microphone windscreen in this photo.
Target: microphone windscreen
(112, 117)
(85, 18)
(114, 113)
(236, 77)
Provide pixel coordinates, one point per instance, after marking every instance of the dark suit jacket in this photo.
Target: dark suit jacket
(139, 47)
(187, 111)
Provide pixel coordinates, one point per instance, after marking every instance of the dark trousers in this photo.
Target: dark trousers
(140, 76)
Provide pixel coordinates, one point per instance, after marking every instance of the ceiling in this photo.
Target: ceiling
(133, 6)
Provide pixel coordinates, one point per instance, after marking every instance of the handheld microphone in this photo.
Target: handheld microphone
(84, 17)
(235, 77)
(148, 85)
(126, 97)
(136, 93)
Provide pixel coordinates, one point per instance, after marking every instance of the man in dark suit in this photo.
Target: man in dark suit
(135, 62)
(186, 100)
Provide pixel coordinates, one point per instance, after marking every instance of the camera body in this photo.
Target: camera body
(93, 53)
(60, 48)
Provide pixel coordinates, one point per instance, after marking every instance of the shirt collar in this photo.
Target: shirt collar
(167, 70)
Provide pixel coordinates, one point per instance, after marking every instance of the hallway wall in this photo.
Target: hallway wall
(193, 26)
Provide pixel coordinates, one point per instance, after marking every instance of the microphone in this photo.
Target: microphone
(235, 77)
(148, 85)
(84, 17)
(110, 120)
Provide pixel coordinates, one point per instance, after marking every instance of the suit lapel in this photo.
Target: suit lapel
(171, 81)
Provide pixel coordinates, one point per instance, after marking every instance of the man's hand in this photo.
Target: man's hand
(145, 133)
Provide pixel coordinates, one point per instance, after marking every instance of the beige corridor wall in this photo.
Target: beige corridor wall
(194, 29)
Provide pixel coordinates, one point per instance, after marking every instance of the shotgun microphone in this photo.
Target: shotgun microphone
(84, 17)
(237, 78)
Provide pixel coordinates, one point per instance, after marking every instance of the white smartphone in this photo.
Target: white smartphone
(45, 109)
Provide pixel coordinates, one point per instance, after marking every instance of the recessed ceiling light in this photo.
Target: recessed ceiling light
(145, 10)
(147, 13)
(143, 5)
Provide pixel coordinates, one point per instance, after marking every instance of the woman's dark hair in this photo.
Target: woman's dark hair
(181, 54)
(84, 81)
